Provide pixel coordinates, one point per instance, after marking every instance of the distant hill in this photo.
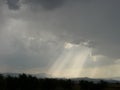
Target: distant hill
(10, 74)
(116, 78)
(40, 75)
(96, 80)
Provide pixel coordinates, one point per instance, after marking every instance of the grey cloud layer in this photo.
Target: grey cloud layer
(45, 4)
(76, 21)
(13, 4)
(96, 21)
(23, 53)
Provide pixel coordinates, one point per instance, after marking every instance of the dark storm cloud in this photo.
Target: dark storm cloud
(97, 21)
(35, 4)
(13, 4)
(45, 4)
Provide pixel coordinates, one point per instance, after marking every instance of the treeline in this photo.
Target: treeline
(28, 82)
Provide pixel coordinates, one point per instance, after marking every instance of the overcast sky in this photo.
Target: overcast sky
(63, 38)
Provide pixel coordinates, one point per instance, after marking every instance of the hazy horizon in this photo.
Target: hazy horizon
(62, 38)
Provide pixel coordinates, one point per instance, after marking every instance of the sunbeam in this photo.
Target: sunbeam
(71, 62)
(79, 61)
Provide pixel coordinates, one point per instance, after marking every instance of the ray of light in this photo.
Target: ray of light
(79, 61)
(70, 62)
(60, 63)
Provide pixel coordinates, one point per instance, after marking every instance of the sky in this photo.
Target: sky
(62, 38)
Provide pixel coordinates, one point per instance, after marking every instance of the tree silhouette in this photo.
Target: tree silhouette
(28, 82)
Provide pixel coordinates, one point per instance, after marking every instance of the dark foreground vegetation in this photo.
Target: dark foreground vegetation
(27, 82)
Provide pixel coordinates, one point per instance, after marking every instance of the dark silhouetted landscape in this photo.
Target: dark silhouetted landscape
(29, 82)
